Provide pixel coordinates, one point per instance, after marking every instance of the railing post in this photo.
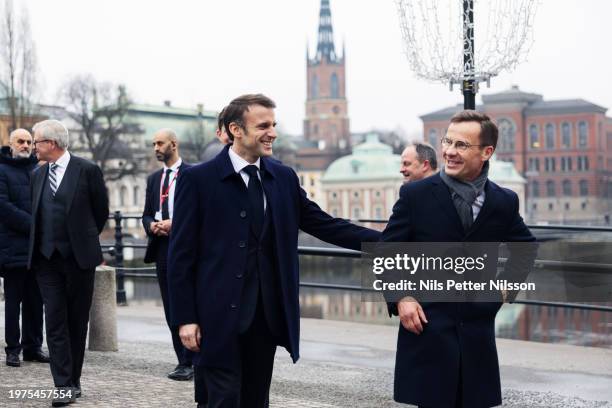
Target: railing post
(121, 297)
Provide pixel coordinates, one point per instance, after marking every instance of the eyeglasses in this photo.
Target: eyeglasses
(459, 145)
(41, 141)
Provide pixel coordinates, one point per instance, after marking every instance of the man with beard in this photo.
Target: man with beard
(418, 162)
(157, 222)
(20, 286)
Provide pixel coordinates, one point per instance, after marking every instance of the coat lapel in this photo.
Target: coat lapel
(442, 194)
(490, 203)
(39, 180)
(70, 181)
(156, 187)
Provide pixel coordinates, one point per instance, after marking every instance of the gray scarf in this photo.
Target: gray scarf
(464, 193)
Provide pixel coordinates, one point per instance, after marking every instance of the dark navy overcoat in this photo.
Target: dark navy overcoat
(460, 337)
(208, 249)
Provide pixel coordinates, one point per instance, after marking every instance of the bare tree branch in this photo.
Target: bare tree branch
(18, 64)
(100, 109)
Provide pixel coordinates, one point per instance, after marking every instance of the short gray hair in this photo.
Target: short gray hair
(55, 130)
(425, 151)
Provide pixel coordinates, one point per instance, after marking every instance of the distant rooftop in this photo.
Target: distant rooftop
(533, 103)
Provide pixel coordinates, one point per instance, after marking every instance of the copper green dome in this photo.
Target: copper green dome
(371, 160)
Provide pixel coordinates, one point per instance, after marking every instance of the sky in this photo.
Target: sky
(210, 51)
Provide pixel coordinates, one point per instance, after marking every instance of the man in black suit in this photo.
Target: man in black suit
(233, 262)
(446, 353)
(157, 222)
(69, 211)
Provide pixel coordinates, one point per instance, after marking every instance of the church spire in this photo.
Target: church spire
(325, 46)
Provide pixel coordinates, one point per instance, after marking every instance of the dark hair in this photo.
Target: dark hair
(488, 129)
(220, 119)
(234, 112)
(425, 151)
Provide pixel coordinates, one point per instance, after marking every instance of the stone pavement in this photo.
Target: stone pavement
(343, 365)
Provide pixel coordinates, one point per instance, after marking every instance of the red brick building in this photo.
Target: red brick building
(562, 147)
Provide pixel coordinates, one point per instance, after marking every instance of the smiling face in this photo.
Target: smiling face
(412, 169)
(465, 165)
(21, 143)
(255, 139)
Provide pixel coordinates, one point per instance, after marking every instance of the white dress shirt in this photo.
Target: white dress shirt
(60, 170)
(239, 164)
(172, 186)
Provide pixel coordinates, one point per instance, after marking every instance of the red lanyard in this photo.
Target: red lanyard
(163, 195)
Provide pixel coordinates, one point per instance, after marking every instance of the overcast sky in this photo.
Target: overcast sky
(209, 51)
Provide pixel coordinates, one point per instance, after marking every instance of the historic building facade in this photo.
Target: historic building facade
(327, 133)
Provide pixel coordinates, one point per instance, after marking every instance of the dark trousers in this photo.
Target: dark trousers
(21, 292)
(67, 292)
(246, 385)
(183, 355)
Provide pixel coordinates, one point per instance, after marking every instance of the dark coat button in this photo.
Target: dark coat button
(242, 244)
(243, 214)
(233, 305)
(239, 276)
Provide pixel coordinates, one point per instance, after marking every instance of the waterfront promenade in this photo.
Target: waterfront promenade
(343, 364)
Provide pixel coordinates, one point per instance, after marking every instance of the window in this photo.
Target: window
(433, 138)
(584, 188)
(583, 163)
(535, 189)
(551, 206)
(550, 164)
(534, 164)
(550, 136)
(583, 205)
(550, 188)
(334, 195)
(356, 194)
(378, 213)
(567, 188)
(566, 164)
(534, 136)
(312, 182)
(566, 135)
(356, 213)
(567, 206)
(377, 194)
(314, 87)
(507, 133)
(123, 191)
(135, 195)
(334, 86)
(582, 133)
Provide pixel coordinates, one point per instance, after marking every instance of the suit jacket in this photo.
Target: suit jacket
(459, 336)
(86, 212)
(208, 249)
(152, 206)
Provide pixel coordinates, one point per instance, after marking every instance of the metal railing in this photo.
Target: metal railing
(116, 250)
